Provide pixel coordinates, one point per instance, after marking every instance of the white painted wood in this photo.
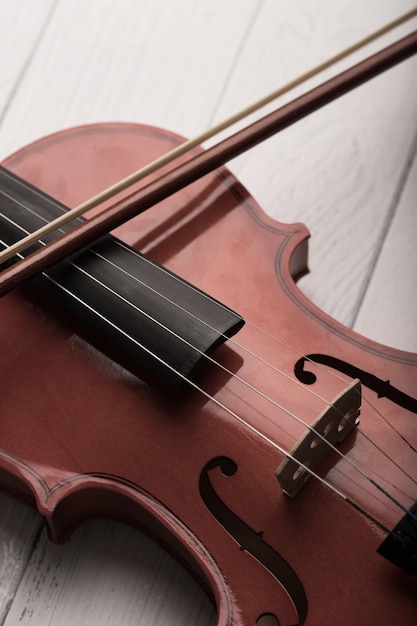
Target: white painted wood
(183, 65)
(393, 284)
(162, 63)
(19, 527)
(107, 574)
(21, 31)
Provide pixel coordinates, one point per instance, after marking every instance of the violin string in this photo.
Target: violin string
(361, 487)
(247, 425)
(237, 377)
(242, 347)
(262, 331)
(187, 146)
(389, 424)
(339, 377)
(237, 417)
(234, 342)
(364, 474)
(269, 365)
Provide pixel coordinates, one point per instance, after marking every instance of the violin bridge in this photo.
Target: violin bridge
(332, 426)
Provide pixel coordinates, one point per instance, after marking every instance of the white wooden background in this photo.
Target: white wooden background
(349, 172)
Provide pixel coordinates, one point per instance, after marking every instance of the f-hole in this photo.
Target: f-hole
(267, 619)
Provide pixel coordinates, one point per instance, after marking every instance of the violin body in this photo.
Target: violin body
(83, 437)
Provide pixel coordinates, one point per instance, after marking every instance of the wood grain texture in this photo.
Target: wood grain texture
(393, 283)
(349, 173)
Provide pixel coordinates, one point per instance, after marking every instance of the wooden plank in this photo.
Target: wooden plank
(107, 574)
(184, 65)
(20, 38)
(388, 311)
(19, 528)
(128, 61)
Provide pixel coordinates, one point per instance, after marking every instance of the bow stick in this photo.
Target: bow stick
(185, 147)
(202, 164)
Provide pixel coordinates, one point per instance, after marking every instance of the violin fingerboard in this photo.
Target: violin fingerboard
(142, 315)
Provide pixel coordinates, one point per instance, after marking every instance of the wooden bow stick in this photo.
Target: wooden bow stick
(193, 169)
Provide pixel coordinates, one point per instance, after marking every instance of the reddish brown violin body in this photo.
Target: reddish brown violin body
(81, 437)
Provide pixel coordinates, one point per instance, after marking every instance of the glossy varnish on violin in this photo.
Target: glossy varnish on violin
(86, 438)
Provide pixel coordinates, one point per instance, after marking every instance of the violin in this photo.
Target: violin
(198, 468)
